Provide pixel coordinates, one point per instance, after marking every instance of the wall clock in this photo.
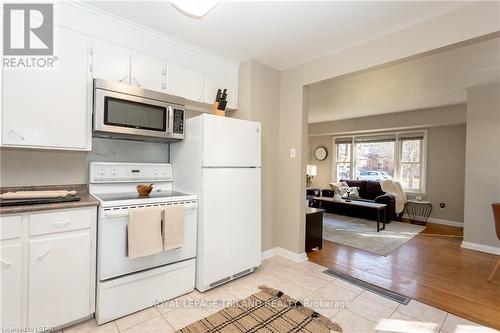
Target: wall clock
(321, 153)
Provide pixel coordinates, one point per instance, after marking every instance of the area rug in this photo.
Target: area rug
(267, 311)
(362, 234)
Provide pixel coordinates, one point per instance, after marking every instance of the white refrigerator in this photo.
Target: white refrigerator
(220, 161)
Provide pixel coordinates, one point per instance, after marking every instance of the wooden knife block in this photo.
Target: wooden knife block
(216, 111)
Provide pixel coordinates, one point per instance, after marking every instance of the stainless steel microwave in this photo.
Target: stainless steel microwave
(128, 112)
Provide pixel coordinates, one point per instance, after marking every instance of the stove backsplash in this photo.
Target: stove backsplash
(31, 167)
(114, 150)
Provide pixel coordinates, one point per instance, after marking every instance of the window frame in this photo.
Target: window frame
(334, 158)
(398, 146)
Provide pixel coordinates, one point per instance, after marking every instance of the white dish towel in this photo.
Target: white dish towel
(173, 227)
(144, 231)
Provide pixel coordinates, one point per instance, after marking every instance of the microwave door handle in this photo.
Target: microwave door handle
(170, 124)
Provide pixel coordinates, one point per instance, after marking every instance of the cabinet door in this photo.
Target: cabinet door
(49, 108)
(59, 279)
(11, 261)
(213, 83)
(110, 62)
(147, 72)
(185, 82)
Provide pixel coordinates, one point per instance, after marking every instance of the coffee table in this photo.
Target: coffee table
(327, 202)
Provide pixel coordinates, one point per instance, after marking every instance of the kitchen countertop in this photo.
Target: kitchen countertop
(86, 199)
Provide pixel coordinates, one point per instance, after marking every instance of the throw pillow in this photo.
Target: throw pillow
(353, 192)
(338, 188)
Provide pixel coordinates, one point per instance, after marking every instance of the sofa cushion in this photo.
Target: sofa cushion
(373, 190)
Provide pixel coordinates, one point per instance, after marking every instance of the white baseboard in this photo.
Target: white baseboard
(446, 222)
(481, 248)
(269, 253)
(441, 221)
(279, 251)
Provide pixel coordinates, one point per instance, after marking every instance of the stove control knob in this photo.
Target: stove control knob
(155, 172)
(100, 172)
(113, 172)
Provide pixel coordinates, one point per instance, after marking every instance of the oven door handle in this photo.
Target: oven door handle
(124, 212)
(120, 213)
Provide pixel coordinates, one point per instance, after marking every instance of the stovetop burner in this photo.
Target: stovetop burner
(135, 195)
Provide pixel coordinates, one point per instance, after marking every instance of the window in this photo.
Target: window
(343, 158)
(411, 161)
(375, 157)
(396, 156)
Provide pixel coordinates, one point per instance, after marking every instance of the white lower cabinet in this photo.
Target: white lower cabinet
(59, 279)
(11, 260)
(48, 270)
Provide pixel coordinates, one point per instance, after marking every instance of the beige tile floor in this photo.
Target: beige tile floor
(355, 309)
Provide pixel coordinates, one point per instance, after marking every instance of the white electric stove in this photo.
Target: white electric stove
(127, 285)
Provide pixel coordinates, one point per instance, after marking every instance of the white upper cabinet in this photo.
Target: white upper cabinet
(110, 62)
(185, 82)
(48, 108)
(147, 72)
(213, 83)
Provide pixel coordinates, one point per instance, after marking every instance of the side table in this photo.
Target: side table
(314, 228)
(418, 211)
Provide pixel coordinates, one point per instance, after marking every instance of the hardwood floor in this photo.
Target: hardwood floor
(431, 268)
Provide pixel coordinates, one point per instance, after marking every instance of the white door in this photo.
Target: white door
(59, 276)
(214, 82)
(48, 108)
(147, 72)
(230, 142)
(11, 261)
(185, 82)
(230, 223)
(110, 62)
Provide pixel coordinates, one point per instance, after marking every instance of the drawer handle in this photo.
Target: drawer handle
(61, 223)
(5, 262)
(44, 253)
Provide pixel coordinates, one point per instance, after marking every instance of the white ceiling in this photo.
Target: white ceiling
(430, 81)
(281, 34)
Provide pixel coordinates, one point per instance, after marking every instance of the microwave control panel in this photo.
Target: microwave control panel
(178, 127)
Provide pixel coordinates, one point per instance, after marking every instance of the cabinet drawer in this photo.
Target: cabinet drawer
(46, 223)
(10, 227)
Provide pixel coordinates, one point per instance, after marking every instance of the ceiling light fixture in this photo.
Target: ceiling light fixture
(195, 8)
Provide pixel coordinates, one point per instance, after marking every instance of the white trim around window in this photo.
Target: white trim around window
(399, 138)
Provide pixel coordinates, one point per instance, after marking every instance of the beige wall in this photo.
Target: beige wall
(423, 118)
(258, 99)
(445, 169)
(324, 176)
(482, 168)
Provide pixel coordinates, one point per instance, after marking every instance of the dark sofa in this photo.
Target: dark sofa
(368, 191)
